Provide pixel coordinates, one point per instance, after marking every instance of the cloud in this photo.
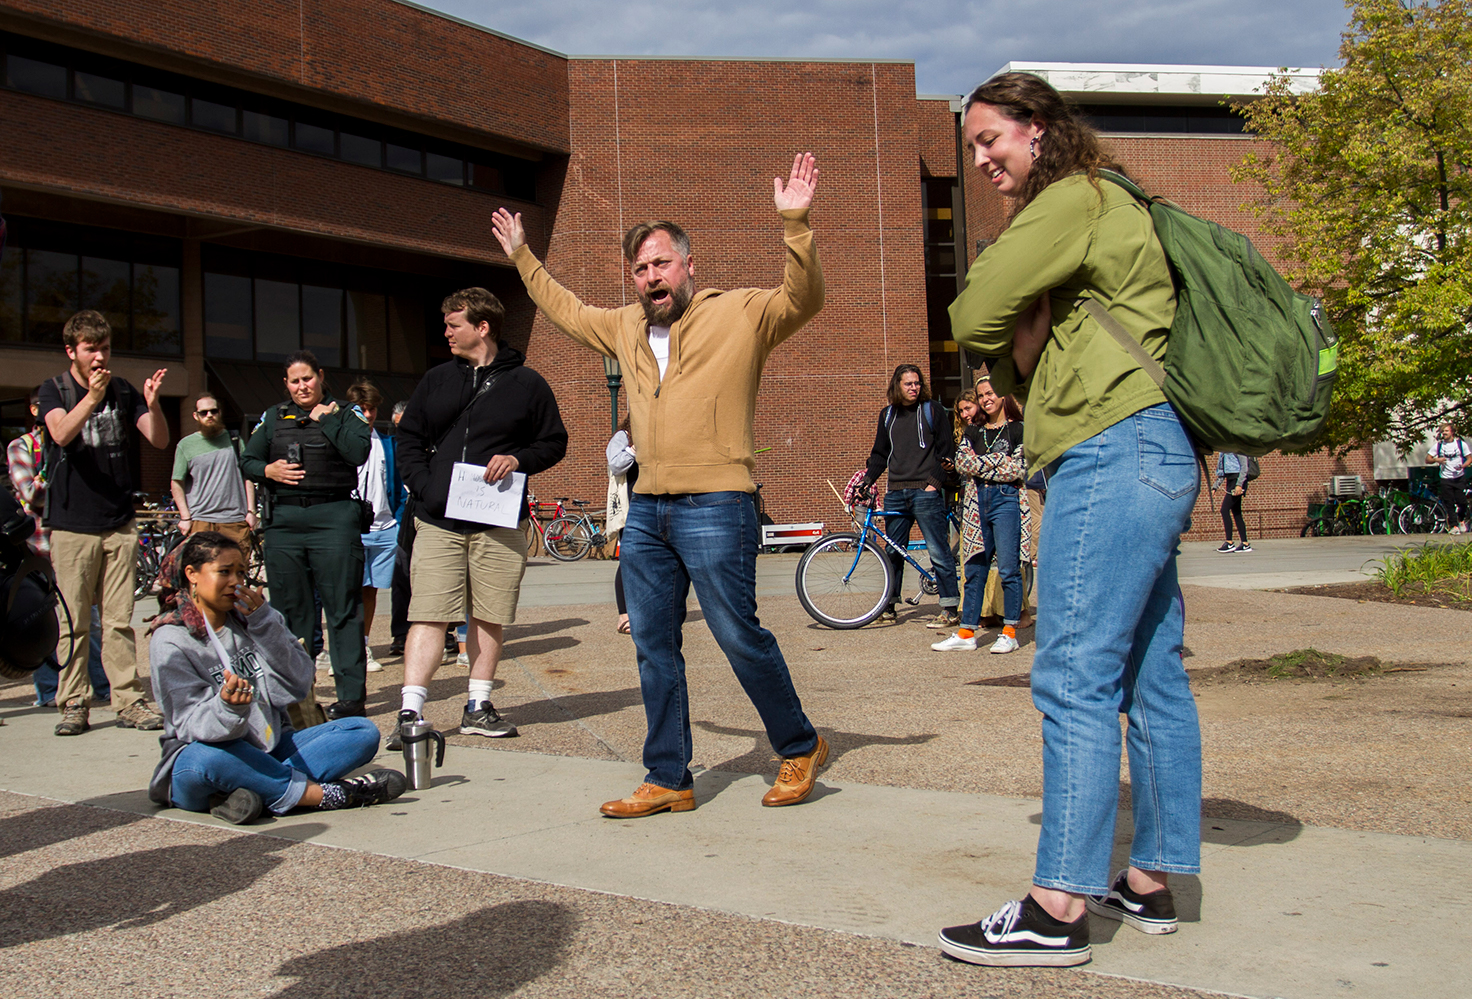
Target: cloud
(953, 43)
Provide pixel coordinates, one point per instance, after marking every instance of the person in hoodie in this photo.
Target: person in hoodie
(692, 361)
(225, 666)
(306, 452)
(487, 408)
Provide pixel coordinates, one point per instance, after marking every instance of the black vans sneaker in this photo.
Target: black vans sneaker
(484, 719)
(1152, 913)
(240, 806)
(373, 788)
(1019, 935)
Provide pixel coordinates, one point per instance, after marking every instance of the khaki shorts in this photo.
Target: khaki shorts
(489, 564)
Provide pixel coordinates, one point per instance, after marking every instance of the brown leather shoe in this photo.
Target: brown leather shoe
(795, 778)
(647, 800)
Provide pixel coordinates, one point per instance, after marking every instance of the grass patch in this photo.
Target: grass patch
(1431, 568)
(1302, 665)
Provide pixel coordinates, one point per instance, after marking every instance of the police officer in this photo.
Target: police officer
(306, 452)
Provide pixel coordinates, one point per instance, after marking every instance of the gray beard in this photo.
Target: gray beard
(670, 313)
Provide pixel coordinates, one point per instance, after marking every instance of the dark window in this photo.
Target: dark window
(51, 279)
(100, 90)
(278, 319)
(487, 178)
(265, 128)
(322, 323)
(105, 287)
(160, 105)
(367, 331)
(315, 139)
(227, 316)
(156, 309)
(35, 77)
(445, 169)
(362, 150)
(403, 158)
(12, 288)
(217, 117)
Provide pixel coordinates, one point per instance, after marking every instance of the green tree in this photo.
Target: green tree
(1367, 182)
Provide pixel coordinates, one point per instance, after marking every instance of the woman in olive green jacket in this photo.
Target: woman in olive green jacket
(1122, 482)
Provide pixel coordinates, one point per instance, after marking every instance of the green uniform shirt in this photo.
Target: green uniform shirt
(1073, 240)
(346, 430)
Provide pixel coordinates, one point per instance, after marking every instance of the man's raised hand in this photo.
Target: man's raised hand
(798, 193)
(152, 385)
(509, 231)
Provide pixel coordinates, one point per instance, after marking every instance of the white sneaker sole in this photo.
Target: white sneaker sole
(1155, 927)
(1017, 958)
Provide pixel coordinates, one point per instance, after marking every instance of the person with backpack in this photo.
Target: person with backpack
(93, 419)
(1122, 480)
(913, 446)
(210, 491)
(1235, 471)
(1451, 454)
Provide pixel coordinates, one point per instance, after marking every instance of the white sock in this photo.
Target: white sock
(412, 699)
(480, 690)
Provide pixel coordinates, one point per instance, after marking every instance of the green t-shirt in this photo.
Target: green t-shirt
(213, 485)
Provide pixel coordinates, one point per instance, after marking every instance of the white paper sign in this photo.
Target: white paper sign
(472, 498)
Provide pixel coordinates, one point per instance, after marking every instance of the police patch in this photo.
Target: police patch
(358, 411)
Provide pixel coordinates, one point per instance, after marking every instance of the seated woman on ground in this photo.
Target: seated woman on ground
(225, 667)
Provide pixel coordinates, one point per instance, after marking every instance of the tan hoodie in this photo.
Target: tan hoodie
(692, 432)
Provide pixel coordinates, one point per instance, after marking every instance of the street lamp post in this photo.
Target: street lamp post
(615, 379)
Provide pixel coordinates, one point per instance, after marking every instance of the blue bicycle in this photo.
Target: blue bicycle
(844, 580)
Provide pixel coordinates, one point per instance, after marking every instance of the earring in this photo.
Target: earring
(1032, 147)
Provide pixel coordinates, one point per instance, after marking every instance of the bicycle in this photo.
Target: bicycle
(571, 538)
(158, 534)
(844, 580)
(536, 534)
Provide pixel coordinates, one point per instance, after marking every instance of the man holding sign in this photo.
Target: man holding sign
(692, 361)
(487, 410)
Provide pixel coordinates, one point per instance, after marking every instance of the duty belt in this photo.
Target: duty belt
(300, 499)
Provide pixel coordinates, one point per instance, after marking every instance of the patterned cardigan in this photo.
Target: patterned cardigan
(988, 469)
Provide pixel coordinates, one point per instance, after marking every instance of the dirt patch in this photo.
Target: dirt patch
(1448, 594)
(1304, 665)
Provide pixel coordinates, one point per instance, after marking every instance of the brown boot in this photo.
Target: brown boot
(73, 719)
(795, 778)
(647, 800)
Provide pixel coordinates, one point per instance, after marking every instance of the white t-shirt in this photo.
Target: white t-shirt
(659, 342)
(373, 484)
(1456, 454)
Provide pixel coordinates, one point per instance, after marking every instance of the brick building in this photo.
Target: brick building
(231, 182)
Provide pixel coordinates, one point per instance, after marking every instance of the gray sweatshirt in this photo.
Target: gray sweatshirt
(188, 675)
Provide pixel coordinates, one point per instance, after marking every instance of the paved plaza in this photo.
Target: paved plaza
(1335, 849)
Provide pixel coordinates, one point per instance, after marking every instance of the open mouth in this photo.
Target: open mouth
(659, 296)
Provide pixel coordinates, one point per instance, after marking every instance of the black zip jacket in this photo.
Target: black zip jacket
(920, 448)
(517, 416)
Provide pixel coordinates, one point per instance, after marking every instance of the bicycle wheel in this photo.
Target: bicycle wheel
(842, 582)
(534, 545)
(567, 539)
(1348, 519)
(1381, 522)
(146, 566)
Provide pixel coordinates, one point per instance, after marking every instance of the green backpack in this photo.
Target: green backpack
(1249, 362)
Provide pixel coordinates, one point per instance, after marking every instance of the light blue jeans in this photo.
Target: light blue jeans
(1110, 623)
(711, 540)
(320, 753)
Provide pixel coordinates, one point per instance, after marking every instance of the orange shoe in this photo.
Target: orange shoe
(795, 778)
(647, 800)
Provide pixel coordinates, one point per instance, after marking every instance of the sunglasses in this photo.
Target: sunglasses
(207, 412)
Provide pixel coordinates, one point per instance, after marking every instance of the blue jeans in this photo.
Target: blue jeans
(321, 753)
(45, 676)
(926, 507)
(1001, 535)
(710, 539)
(1110, 623)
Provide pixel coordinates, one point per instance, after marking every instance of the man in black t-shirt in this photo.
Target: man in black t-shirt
(92, 418)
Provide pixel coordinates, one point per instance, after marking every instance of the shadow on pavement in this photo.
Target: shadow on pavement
(134, 889)
(40, 827)
(759, 760)
(573, 707)
(491, 952)
(537, 647)
(517, 632)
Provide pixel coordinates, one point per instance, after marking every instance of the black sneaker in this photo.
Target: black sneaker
(241, 806)
(1243, 547)
(396, 648)
(1226, 547)
(485, 720)
(396, 738)
(1152, 913)
(346, 709)
(1019, 935)
(372, 788)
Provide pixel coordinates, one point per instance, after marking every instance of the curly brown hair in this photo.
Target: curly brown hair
(1068, 145)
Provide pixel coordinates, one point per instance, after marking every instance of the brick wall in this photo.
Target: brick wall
(376, 53)
(699, 142)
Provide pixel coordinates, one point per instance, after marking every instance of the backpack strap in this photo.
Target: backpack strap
(1132, 346)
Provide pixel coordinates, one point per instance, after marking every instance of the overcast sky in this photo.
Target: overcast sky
(954, 44)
